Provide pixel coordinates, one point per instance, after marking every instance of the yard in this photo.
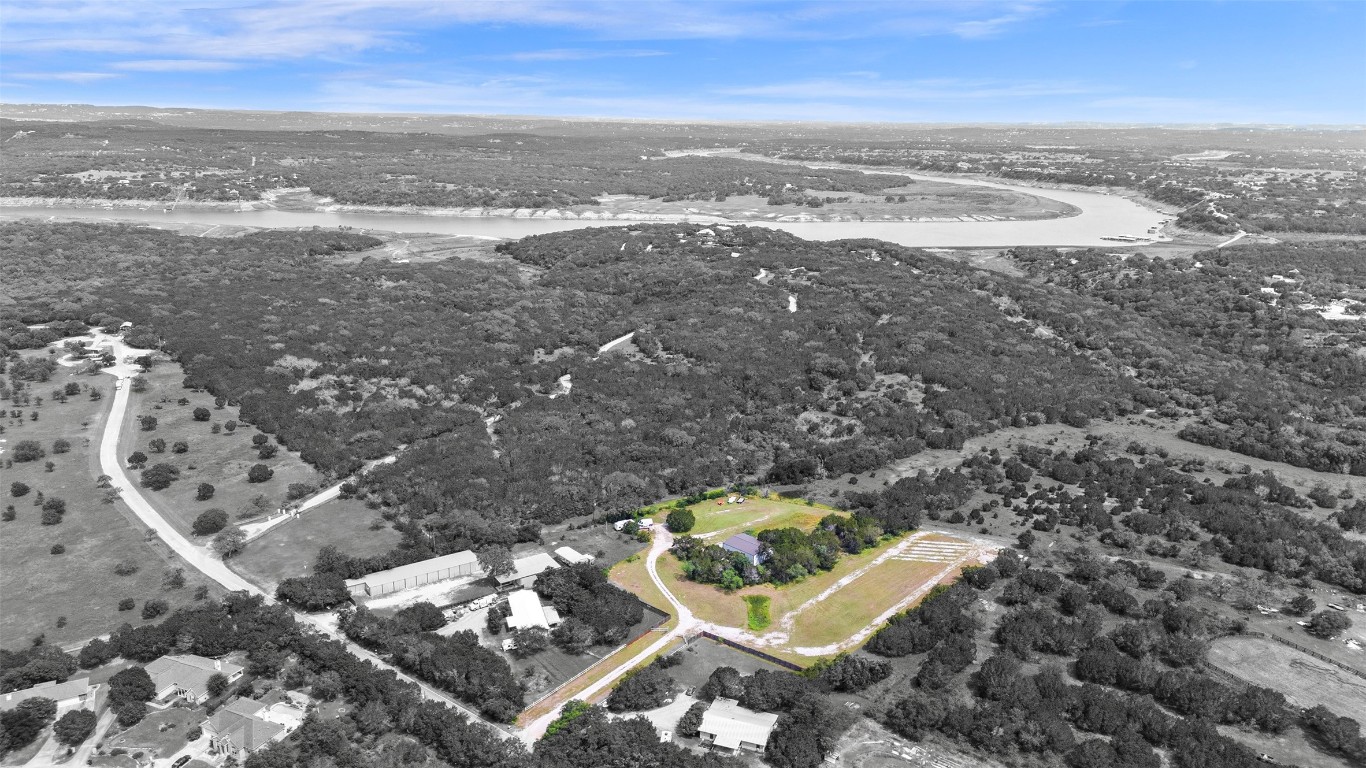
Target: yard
(79, 583)
(160, 733)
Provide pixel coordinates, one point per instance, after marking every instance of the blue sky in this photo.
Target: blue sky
(848, 60)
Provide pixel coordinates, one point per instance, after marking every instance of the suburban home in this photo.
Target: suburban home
(730, 727)
(77, 693)
(188, 676)
(525, 570)
(527, 611)
(747, 545)
(427, 571)
(246, 725)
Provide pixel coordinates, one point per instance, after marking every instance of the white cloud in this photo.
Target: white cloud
(575, 54)
(176, 65)
(946, 89)
(66, 77)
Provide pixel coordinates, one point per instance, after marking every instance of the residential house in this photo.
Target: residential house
(77, 693)
(187, 676)
(246, 725)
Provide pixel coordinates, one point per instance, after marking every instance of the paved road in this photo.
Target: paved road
(202, 558)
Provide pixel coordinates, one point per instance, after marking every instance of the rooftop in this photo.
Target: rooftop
(526, 610)
(531, 565)
(731, 724)
(49, 690)
(744, 543)
(572, 556)
(189, 672)
(420, 568)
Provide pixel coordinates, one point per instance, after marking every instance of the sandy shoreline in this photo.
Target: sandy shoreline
(281, 202)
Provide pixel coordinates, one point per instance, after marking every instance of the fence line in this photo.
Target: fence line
(784, 663)
(605, 657)
(1311, 652)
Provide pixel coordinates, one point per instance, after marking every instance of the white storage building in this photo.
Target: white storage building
(428, 571)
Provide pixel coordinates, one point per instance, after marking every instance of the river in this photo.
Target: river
(1101, 216)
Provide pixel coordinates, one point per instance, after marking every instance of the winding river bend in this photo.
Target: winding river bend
(1102, 216)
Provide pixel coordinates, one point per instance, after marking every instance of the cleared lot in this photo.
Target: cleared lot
(1303, 679)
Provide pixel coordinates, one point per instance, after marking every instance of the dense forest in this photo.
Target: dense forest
(125, 161)
(893, 350)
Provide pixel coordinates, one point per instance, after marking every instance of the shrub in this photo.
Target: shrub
(17, 489)
(28, 450)
(61, 445)
(202, 414)
(148, 423)
(58, 549)
(205, 492)
(126, 567)
(127, 604)
(50, 517)
(137, 459)
(259, 473)
(180, 447)
(159, 477)
(267, 451)
(154, 608)
(681, 520)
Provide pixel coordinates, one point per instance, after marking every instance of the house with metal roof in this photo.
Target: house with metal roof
(571, 556)
(728, 726)
(527, 611)
(525, 570)
(422, 572)
(747, 545)
(187, 676)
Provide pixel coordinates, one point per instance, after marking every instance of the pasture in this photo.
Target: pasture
(79, 583)
(1303, 679)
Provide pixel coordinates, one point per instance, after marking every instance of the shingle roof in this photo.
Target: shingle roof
(189, 672)
(239, 723)
(744, 544)
(49, 690)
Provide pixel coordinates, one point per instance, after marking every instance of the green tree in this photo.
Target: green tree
(259, 473)
(28, 450)
(229, 542)
(496, 561)
(680, 520)
(217, 684)
(1328, 624)
(202, 414)
(75, 726)
(205, 492)
(17, 489)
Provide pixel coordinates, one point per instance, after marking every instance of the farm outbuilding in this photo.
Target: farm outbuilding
(526, 569)
(416, 574)
(527, 611)
(571, 556)
(728, 726)
(747, 545)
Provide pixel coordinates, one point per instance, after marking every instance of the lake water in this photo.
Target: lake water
(1101, 216)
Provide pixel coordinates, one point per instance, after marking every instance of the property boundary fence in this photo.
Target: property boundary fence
(1302, 649)
(784, 663)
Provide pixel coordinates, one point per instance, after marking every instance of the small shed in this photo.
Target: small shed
(570, 556)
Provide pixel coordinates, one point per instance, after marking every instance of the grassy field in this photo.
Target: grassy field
(714, 519)
(861, 602)
(1303, 679)
(222, 460)
(80, 584)
(288, 549)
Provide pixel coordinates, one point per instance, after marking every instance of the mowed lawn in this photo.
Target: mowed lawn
(289, 548)
(1303, 679)
(222, 460)
(755, 513)
(39, 587)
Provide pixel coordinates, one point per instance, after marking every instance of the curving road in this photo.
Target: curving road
(202, 558)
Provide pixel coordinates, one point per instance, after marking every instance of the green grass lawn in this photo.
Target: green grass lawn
(289, 549)
(755, 513)
(80, 584)
(222, 460)
(758, 612)
(160, 733)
